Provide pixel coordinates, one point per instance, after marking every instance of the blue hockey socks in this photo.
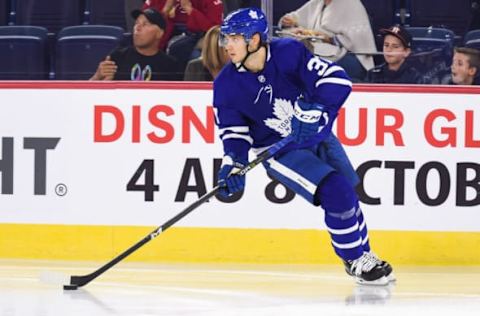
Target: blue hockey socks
(339, 200)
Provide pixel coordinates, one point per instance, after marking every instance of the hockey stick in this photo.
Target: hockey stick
(81, 280)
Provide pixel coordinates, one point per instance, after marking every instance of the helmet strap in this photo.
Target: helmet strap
(242, 63)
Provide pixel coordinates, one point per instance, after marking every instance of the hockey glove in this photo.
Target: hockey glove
(308, 119)
(228, 181)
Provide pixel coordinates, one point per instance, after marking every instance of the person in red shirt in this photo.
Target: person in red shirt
(192, 17)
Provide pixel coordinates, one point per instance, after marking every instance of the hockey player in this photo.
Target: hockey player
(274, 89)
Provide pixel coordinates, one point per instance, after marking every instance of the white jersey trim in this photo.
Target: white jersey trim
(365, 240)
(344, 231)
(235, 129)
(331, 70)
(339, 81)
(362, 225)
(238, 136)
(292, 175)
(350, 245)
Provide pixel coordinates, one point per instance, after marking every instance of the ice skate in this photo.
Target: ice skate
(366, 270)
(385, 265)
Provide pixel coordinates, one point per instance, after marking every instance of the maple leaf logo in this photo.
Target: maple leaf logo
(283, 110)
(253, 14)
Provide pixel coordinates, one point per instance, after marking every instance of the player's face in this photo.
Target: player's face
(145, 34)
(236, 47)
(394, 51)
(462, 73)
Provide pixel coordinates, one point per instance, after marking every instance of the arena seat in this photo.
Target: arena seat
(80, 48)
(432, 32)
(432, 51)
(106, 12)
(23, 53)
(51, 14)
(438, 41)
(431, 39)
(472, 39)
(454, 15)
(4, 4)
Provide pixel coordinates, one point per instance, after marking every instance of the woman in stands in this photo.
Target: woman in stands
(214, 57)
(344, 29)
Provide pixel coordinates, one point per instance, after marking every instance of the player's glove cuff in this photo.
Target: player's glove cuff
(228, 181)
(308, 120)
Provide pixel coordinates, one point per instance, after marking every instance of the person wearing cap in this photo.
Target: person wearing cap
(143, 61)
(396, 69)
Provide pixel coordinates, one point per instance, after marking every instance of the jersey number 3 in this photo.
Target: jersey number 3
(315, 63)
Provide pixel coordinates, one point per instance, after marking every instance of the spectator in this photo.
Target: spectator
(144, 60)
(396, 49)
(345, 29)
(214, 57)
(189, 19)
(465, 66)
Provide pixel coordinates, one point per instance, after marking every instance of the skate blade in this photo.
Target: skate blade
(380, 281)
(391, 278)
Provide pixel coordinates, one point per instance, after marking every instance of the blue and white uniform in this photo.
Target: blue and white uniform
(254, 110)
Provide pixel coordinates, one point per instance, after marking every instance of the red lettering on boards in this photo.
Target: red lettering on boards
(362, 122)
(448, 135)
(158, 126)
(98, 132)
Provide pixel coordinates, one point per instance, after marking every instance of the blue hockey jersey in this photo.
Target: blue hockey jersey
(253, 110)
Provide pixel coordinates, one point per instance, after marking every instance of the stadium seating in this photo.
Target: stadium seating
(454, 15)
(3, 12)
(80, 48)
(23, 53)
(51, 14)
(106, 12)
(75, 55)
(425, 39)
(472, 39)
(432, 51)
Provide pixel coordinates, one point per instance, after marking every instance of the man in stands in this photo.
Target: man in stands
(144, 60)
(396, 49)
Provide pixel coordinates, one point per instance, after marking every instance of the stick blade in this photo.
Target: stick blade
(70, 287)
(80, 280)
